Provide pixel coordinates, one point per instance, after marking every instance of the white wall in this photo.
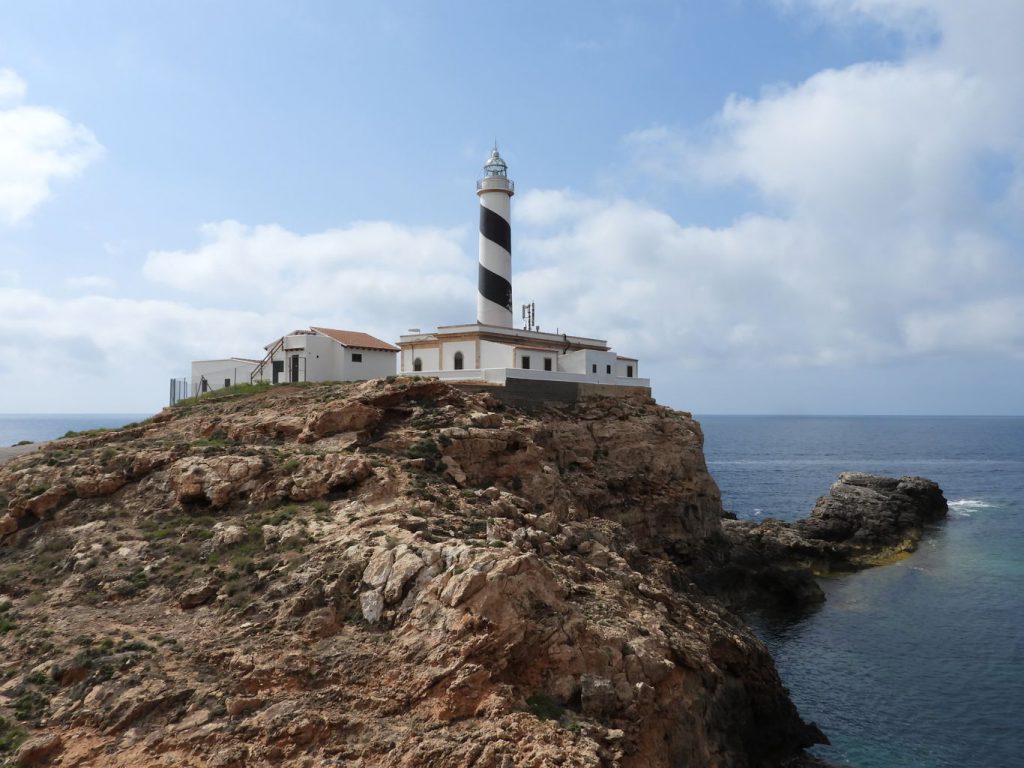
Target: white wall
(573, 362)
(375, 364)
(297, 341)
(536, 359)
(449, 348)
(495, 355)
(429, 356)
(621, 368)
(323, 359)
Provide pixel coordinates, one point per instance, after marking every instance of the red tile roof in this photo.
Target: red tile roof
(355, 339)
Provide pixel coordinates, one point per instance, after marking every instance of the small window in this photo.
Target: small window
(458, 361)
(593, 368)
(526, 361)
(608, 369)
(417, 364)
(547, 363)
(227, 382)
(357, 357)
(629, 371)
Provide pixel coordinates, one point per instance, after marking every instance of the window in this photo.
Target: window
(547, 363)
(417, 364)
(357, 357)
(629, 371)
(607, 369)
(526, 361)
(458, 361)
(593, 368)
(227, 382)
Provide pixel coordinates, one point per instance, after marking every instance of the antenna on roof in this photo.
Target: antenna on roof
(530, 316)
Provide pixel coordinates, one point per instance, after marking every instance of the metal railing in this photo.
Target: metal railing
(179, 390)
(498, 183)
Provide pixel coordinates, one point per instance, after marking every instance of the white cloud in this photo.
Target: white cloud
(89, 352)
(375, 272)
(12, 87)
(89, 283)
(38, 146)
(765, 291)
(881, 235)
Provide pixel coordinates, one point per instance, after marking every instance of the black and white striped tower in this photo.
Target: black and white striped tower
(494, 296)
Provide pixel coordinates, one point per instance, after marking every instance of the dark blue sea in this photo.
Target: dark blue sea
(46, 426)
(919, 663)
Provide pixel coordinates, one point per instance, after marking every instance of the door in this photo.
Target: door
(278, 370)
(295, 368)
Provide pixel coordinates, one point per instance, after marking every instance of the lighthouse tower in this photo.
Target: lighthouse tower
(494, 295)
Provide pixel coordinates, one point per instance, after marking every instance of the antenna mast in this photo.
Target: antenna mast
(530, 316)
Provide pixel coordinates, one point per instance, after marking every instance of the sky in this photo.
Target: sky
(779, 206)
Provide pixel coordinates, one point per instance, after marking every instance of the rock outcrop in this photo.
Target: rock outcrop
(865, 520)
(389, 573)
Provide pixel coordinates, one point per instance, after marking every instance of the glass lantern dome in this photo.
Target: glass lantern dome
(495, 166)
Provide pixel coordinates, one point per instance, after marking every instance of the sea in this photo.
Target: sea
(917, 664)
(40, 427)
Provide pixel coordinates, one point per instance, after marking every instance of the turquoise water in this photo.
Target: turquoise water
(46, 426)
(920, 663)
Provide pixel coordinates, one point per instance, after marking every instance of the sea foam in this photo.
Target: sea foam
(964, 507)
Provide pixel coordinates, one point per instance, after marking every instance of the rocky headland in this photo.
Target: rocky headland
(404, 573)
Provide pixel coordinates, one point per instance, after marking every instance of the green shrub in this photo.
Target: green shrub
(86, 432)
(11, 737)
(30, 704)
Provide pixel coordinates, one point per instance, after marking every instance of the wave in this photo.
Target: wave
(964, 507)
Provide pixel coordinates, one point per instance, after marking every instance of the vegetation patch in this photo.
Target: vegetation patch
(225, 393)
(11, 737)
(86, 432)
(427, 450)
(6, 619)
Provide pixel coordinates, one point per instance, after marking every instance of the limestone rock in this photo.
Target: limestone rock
(39, 750)
(198, 594)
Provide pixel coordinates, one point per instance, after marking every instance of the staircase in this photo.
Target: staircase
(257, 372)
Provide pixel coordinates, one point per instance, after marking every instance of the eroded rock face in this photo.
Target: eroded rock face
(384, 573)
(864, 520)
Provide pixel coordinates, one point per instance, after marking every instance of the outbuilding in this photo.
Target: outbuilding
(326, 354)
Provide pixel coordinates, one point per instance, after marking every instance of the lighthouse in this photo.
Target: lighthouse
(492, 350)
(494, 294)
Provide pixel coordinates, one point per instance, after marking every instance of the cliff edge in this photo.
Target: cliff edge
(386, 573)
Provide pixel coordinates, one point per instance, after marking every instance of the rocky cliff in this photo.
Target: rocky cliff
(391, 573)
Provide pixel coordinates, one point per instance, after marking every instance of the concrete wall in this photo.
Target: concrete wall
(525, 393)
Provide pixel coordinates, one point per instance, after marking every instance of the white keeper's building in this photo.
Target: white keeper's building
(491, 349)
